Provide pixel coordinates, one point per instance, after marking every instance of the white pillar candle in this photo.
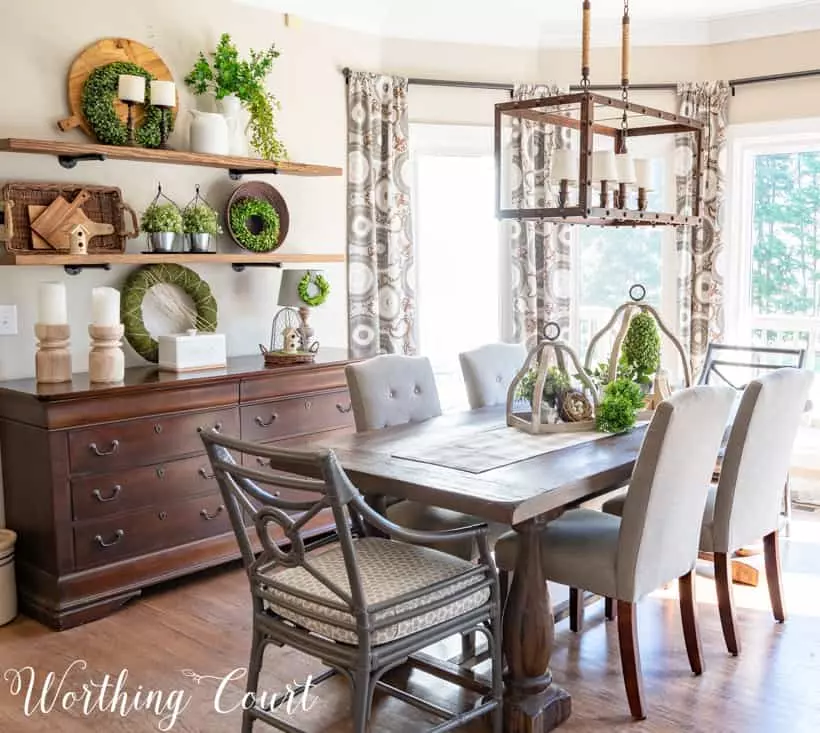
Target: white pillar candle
(643, 173)
(131, 88)
(625, 168)
(163, 94)
(52, 308)
(105, 307)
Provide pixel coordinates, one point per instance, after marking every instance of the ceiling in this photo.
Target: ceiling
(557, 22)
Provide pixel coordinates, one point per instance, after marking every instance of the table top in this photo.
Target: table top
(511, 493)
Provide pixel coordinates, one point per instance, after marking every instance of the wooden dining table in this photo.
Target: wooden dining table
(410, 462)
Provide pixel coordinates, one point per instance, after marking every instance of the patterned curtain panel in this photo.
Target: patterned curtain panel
(381, 298)
(539, 252)
(700, 283)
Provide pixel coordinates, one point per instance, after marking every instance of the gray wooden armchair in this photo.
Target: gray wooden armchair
(362, 605)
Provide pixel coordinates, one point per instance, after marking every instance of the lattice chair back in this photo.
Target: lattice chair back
(626, 312)
(252, 497)
(569, 409)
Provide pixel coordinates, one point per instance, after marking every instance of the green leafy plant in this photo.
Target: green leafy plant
(225, 73)
(616, 411)
(555, 383)
(99, 97)
(245, 210)
(161, 218)
(641, 349)
(200, 219)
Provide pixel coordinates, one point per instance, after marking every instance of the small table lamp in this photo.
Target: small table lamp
(289, 296)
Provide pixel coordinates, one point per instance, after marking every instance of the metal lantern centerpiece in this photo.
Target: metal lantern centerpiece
(592, 169)
(626, 312)
(562, 399)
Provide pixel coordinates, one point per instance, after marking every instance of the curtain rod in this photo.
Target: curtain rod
(658, 87)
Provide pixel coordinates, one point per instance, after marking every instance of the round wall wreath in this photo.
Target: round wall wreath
(267, 221)
(99, 96)
(322, 289)
(135, 290)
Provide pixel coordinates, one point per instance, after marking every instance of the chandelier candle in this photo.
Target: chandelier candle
(643, 179)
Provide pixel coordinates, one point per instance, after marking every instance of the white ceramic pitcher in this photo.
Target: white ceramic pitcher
(231, 108)
(209, 133)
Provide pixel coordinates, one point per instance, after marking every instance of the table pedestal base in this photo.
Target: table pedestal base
(536, 713)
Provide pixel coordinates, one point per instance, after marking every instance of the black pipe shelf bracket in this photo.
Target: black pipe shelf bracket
(70, 161)
(240, 266)
(77, 269)
(235, 174)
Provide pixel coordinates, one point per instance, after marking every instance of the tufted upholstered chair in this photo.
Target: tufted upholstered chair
(395, 390)
(657, 539)
(363, 605)
(745, 504)
(488, 372)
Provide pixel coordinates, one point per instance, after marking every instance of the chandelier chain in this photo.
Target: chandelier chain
(625, 69)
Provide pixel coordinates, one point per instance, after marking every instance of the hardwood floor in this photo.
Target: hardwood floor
(203, 625)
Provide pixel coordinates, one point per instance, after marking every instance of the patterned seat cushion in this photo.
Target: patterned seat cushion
(388, 570)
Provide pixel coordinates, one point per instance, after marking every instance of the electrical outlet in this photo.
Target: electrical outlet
(8, 320)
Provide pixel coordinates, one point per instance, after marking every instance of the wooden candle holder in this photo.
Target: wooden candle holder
(53, 358)
(106, 360)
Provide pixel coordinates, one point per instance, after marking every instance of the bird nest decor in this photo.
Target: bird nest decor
(552, 393)
(635, 354)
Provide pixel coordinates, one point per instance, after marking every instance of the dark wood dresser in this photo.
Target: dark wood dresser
(109, 489)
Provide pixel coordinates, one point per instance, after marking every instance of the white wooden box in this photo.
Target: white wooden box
(192, 351)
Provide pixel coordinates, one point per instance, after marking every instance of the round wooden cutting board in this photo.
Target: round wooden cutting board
(101, 53)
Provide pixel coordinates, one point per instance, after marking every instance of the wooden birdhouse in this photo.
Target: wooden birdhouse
(291, 341)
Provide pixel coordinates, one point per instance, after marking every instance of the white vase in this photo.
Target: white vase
(231, 109)
(209, 133)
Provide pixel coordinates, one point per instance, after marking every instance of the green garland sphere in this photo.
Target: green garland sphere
(322, 285)
(137, 287)
(99, 96)
(267, 239)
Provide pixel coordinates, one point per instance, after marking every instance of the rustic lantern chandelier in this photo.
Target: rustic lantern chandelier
(591, 177)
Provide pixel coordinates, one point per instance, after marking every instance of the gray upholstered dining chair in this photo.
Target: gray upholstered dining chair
(362, 605)
(392, 390)
(488, 372)
(745, 504)
(656, 541)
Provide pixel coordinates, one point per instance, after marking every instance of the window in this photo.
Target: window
(457, 270)
(607, 261)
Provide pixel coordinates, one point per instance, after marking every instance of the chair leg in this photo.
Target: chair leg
(504, 587)
(609, 609)
(771, 551)
(254, 668)
(630, 658)
(726, 602)
(689, 616)
(498, 674)
(576, 610)
(362, 699)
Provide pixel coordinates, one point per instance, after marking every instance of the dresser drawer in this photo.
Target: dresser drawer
(145, 441)
(103, 541)
(296, 416)
(104, 494)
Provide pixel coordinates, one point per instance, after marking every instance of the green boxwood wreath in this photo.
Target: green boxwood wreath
(99, 96)
(263, 212)
(322, 287)
(138, 285)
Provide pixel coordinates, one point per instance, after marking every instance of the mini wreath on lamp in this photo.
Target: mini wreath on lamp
(266, 220)
(99, 97)
(322, 289)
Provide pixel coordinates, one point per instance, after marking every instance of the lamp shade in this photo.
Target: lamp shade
(603, 166)
(564, 165)
(643, 173)
(625, 167)
(289, 287)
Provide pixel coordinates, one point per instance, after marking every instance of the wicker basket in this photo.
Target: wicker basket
(281, 358)
(105, 206)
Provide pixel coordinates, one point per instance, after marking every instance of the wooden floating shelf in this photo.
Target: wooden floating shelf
(69, 154)
(242, 259)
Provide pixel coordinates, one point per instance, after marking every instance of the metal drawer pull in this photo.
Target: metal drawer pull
(115, 492)
(118, 535)
(218, 427)
(161, 472)
(115, 446)
(209, 517)
(206, 474)
(157, 428)
(265, 424)
(308, 404)
(341, 408)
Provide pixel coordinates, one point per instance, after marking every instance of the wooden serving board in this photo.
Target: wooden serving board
(102, 53)
(57, 213)
(60, 239)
